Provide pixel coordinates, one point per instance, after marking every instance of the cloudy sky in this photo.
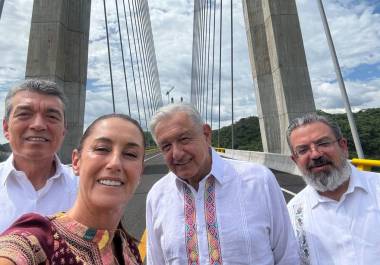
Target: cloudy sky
(355, 26)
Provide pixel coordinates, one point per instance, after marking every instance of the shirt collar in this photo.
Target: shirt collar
(99, 236)
(9, 168)
(217, 168)
(58, 167)
(356, 182)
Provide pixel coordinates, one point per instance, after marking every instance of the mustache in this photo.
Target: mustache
(320, 161)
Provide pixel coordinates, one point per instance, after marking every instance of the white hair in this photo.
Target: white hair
(170, 110)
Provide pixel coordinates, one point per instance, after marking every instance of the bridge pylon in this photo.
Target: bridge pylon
(58, 51)
(279, 68)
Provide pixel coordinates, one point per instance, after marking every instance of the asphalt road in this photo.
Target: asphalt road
(155, 168)
(134, 217)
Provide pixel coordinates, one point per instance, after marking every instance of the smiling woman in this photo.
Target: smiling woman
(109, 165)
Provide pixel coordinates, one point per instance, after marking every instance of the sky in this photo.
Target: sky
(354, 24)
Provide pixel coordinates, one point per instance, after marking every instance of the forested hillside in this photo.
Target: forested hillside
(247, 133)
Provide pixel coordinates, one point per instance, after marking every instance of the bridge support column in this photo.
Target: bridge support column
(58, 51)
(279, 68)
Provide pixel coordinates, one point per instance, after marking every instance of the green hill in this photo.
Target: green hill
(247, 133)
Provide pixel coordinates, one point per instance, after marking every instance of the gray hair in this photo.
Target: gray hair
(168, 111)
(40, 86)
(309, 119)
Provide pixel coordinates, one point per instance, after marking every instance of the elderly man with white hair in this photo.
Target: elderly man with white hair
(211, 210)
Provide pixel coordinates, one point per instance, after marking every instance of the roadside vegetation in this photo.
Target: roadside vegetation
(247, 133)
(248, 137)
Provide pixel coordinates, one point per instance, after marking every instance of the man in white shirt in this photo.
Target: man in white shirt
(337, 216)
(33, 179)
(210, 210)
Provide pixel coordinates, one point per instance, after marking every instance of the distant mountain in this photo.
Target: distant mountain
(247, 133)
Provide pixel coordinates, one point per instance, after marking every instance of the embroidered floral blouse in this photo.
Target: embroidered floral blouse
(34, 239)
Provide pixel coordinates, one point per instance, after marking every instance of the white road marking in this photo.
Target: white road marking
(149, 158)
(288, 191)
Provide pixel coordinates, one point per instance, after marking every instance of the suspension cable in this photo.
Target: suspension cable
(213, 65)
(109, 56)
(208, 57)
(204, 72)
(122, 55)
(131, 59)
(143, 59)
(198, 53)
(192, 82)
(232, 77)
(147, 59)
(137, 61)
(203, 26)
(220, 66)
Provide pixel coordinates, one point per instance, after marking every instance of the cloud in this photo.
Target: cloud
(355, 27)
(14, 29)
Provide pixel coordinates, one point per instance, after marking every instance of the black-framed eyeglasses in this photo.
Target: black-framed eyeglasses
(319, 146)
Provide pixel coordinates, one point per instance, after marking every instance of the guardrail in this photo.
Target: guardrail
(278, 162)
(283, 163)
(365, 164)
(151, 150)
(220, 149)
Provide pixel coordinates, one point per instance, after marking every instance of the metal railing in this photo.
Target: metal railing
(365, 164)
(220, 149)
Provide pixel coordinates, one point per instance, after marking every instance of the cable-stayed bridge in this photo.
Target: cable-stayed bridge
(58, 50)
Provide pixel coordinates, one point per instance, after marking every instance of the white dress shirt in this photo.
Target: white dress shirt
(253, 223)
(340, 233)
(18, 196)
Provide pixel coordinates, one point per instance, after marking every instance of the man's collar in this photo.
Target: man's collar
(217, 167)
(9, 168)
(58, 167)
(355, 181)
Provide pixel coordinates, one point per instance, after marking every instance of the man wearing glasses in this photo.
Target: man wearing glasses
(336, 218)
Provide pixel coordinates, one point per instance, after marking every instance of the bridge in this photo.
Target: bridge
(58, 50)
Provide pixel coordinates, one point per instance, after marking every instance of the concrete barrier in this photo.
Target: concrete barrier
(274, 161)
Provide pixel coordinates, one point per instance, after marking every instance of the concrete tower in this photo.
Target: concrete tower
(279, 67)
(58, 51)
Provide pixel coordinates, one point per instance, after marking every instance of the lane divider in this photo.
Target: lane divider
(142, 246)
(289, 192)
(149, 158)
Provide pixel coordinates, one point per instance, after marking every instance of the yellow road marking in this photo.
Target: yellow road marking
(142, 246)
